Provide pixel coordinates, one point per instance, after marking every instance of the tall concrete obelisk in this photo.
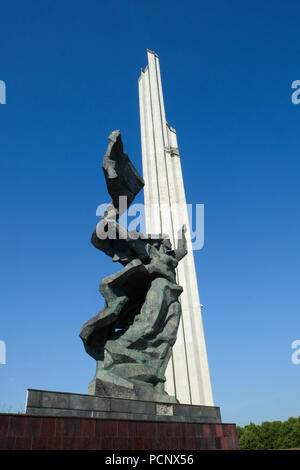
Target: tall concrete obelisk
(187, 374)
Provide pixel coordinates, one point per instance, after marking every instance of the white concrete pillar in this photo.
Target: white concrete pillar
(165, 207)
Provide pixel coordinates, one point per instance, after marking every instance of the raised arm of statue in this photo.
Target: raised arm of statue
(181, 249)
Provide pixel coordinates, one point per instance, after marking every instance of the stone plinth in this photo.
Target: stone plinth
(66, 421)
(48, 403)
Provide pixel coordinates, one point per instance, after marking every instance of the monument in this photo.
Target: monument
(151, 389)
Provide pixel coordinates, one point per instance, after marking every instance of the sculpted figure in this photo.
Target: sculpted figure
(131, 338)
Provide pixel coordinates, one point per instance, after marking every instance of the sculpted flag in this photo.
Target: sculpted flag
(122, 178)
(123, 183)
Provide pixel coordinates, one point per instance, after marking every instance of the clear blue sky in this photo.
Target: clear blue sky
(71, 71)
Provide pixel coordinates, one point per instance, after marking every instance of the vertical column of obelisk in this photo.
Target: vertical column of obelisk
(179, 359)
(165, 207)
(156, 191)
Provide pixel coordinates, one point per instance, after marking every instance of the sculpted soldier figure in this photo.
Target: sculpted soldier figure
(131, 338)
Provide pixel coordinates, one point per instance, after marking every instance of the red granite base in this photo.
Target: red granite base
(19, 431)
